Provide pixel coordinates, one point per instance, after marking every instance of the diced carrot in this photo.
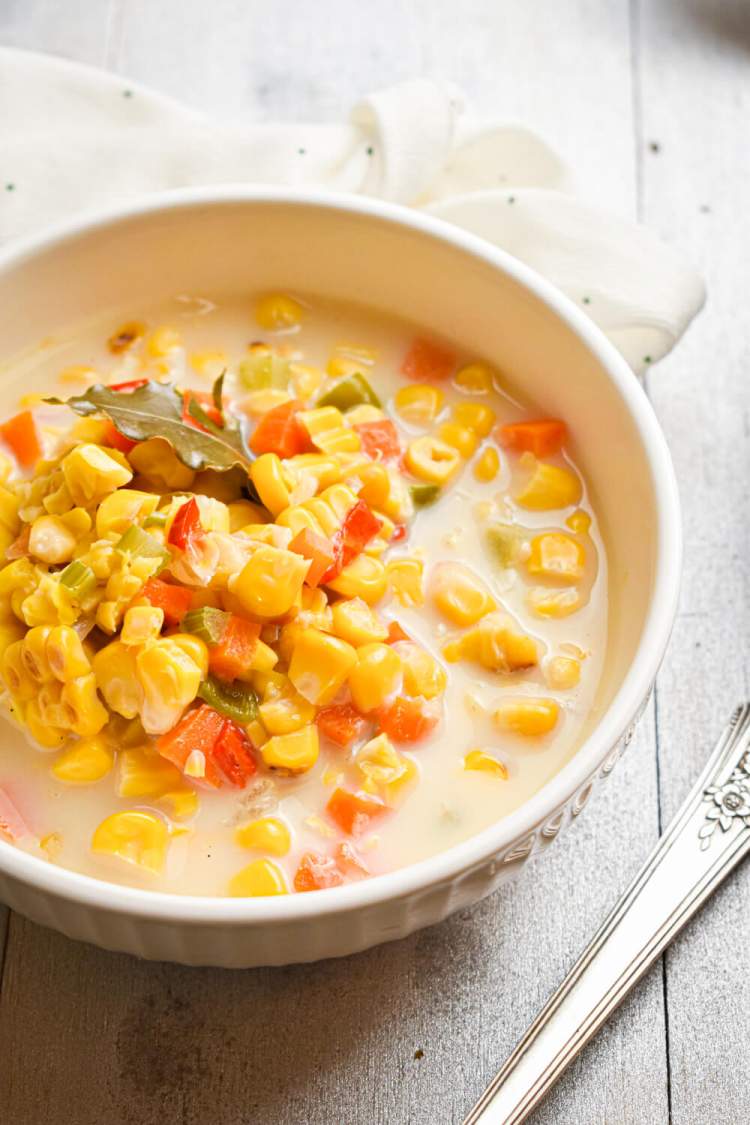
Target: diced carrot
(349, 862)
(280, 432)
(128, 385)
(541, 437)
(197, 730)
(317, 872)
(113, 437)
(12, 824)
(231, 657)
(204, 400)
(407, 720)
(232, 753)
(21, 435)
(186, 531)
(321, 552)
(427, 360)
(396, 633)
(341, 722)
(379, 439)
(353, 812)
(174, 600)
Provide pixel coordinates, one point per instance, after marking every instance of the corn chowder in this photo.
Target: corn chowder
(291, 596)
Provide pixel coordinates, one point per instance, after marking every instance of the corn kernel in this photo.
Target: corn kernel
(259, 879)
(156, 460)
(376, 484)
(375, 677)
(294, 753)
(65, 654)
(326, 470)
(50, 737)
(419, 403)
(35, 657)
(527, 715)
(270, 581)
(121, 509)
(476, 415)
(268, 477)
(405, 580)
(88, 760)
(139, 838)
(553, 603)
(385, 771)
(350, 359)
(9, 504)
(461, 438)
(162, 341)
(180, 804)
(432, 460)
(11, 631)
(355, 622)
(257, 403)
(209, 363)
(193, 647)
(562, 673)
(328, 431)
(548, 487)
(89, 714)
(579, 522)
(557, 557)
(244, 512)
(423, 675)
(278, 313)
(115, 671)
(268, 834)
(306, 380)
(320, 665)
(481, 760)
(78, 374)
(497, 644)
(475, 378)
(487, 465)
(141, 623)
(363, 578)
(459, 594)
(21, 685)
(51, 541)
(170, 679)
(146, 775)
(286, 714)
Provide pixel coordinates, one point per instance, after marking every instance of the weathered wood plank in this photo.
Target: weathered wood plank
(696, 95)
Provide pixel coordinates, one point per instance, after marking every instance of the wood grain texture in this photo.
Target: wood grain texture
(336, 1042)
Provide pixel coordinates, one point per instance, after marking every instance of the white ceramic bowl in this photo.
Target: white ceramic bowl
(232, 240)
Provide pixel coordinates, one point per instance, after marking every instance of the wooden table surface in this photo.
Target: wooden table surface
(649, 100)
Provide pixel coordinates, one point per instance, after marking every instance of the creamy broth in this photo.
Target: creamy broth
(445, 802)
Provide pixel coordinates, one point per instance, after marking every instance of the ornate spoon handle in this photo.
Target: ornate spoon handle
(707, 838)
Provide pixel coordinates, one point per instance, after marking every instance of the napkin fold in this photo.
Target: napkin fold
(73, 138)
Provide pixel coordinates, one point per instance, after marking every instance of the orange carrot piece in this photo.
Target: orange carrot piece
(317, 872)
(541, 437)
(321, 552)
(341, 722)
(21, 435)
(197, 730)
(280, 432)
(174, 600)
(427, 360)
(353, 812)
(407, 720)
(231, 657)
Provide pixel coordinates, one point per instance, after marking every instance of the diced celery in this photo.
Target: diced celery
(78, 579)
(208, 623)
(139, 544)
(504, 542)
(349, 392)
(424, 494)
(263, 370)
(236, 701)
(156, 519)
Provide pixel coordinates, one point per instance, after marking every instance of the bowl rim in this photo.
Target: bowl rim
(555, 794)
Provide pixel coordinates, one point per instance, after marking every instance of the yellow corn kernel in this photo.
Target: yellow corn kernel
(487, 465)
(115, 671)
(268, 477)
(78, 374)
(121, 509)
(181, 803)
(137, 837)
(375, 677)
(297, 518)
(294, 753)
(385, 771)
(553, 603)
(91, 473)
(461, 438)
(363, 413)
(355, 622)
(156, 460)
(244, 512)
(141, 623)
(326, 470)
(350, 359)
(328, 431)
(527, 715)
(268, 834)
(422, 673)
(257, 403)
(481, 760)
(497, 644)
(209, 363)
(579, 522)
(9, 505)
(17, 575)
(88, 712)
(332, 506)
(88, 760)
(286, 714)
(170, 679)
(193, 647)
(259, 879)
(363, 578)
(65, 654)
(263, 658)
(257, 733)
(30, 400)
(320, 665)
(562, 673)
(476, 415)
(475, 378)
(6, 467)
(48, 604)
(376, 484)
(51, 541)
(16, 676)
(270, 581)
(556, 556)
(306, 380)
(432, 460)
(11, 631)
(77, 521)
(278, 313)
(146, 775)
(162, 341)
(419, 403)
(405, 580)
(35, 656)
(548, 487)
(50, 737)
(459, 594)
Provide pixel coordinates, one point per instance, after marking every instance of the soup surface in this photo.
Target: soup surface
(321, 620)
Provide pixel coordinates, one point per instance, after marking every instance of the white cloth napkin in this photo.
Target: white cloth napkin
(73, 138)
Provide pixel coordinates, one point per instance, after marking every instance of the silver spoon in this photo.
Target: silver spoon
(704, 842)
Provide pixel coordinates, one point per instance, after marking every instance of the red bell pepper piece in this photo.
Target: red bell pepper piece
(407, 720)
(427, 360)
(113, 437)
(231, 657)
(232, 753)
(186, 531)
(128, 385)
(174, 600)
(341, 722)
(359, 527)
(379, 439)
(197, 730)
(206, 402)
